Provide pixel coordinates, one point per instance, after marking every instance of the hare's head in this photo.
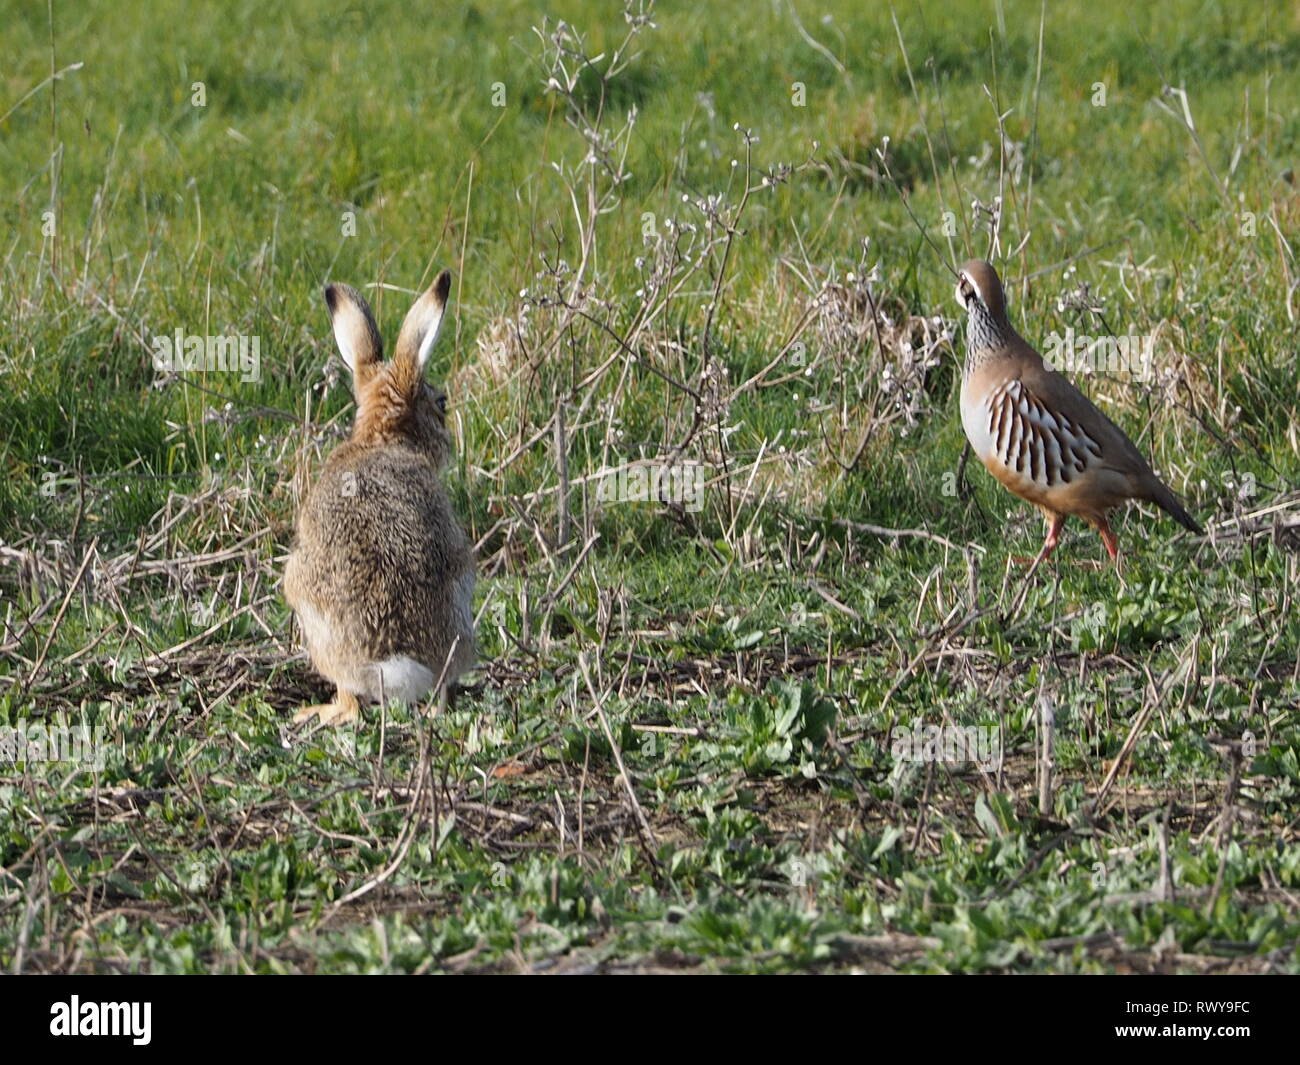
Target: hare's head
(394, 402)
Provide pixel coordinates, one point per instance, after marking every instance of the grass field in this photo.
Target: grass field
(693, 237)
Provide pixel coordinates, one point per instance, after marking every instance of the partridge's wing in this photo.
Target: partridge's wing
(1118, 453)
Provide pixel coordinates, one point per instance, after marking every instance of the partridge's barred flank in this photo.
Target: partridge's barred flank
(1038, 434)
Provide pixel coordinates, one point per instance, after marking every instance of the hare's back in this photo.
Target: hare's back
(386, 509)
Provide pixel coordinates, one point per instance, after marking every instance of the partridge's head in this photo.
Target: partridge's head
(980, 288)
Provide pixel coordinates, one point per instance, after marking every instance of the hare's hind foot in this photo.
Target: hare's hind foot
(344, 710)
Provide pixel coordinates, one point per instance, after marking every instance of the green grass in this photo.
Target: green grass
(745, 662)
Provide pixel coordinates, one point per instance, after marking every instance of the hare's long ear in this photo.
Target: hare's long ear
(422, 324)
(355, 331)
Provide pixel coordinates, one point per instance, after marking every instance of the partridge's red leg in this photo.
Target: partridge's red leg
(1054, 526)
(1112, 543)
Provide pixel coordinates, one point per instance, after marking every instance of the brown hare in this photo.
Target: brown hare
(381, 575)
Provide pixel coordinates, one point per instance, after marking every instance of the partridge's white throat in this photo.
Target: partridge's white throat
(1038, 434)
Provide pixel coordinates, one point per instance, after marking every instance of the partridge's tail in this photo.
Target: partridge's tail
(1162, 497)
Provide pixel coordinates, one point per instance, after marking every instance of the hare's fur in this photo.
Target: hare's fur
(381, 576)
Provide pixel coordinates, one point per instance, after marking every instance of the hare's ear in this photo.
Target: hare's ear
(355, 331)
(422, 324)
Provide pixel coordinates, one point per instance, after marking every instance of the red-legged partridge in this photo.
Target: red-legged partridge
(1038, 434)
